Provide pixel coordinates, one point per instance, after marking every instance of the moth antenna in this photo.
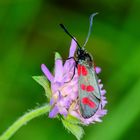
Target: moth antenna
(64, 28)
(90, 27)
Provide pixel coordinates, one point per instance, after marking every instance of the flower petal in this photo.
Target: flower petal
(69, 69)
(103, 92)
(98, 70)
(72, 48)
(47, 72)
(97, 119)
(104, 102)
(101, 86)
(53, 112)
(103, 112)
(75, 114)
(58, 71)
(52, 101)
(63, 111)
(55, 86)
(65, 102)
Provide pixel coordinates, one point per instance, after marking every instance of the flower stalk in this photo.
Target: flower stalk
(23, 120)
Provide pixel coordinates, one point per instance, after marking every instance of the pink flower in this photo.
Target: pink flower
(64, 99)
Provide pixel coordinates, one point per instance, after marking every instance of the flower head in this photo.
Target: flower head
(64, 87)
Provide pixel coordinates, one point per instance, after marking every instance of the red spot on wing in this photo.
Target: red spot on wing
(84, 70)
(88, 102)
(90, 88)
(83, 87)
(79, 69)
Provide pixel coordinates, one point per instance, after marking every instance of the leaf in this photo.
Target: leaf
(57, 56)
(72, 119)
(75, 129)
(44, 83)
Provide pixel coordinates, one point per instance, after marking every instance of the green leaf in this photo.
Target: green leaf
(75, 129)
(57, 56)
(44, 83)
(72, 119)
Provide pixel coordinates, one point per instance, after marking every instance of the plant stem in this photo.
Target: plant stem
(24, 120)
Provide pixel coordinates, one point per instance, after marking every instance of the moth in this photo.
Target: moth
(88, 87)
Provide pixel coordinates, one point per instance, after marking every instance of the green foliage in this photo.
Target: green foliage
(57, 56)
(72, 119)
(42, 80)
(75, 129)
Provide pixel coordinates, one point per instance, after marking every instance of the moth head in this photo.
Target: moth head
(83, 55)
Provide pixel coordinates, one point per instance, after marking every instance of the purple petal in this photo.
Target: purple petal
(98, 70)
(53, 112)
(75, 114)
(47, 72)
(63, 111)
(65, 102)
(55, 86)
(99, 80)
(69, 65)
(104, 102)
(74, 94)
(58, 71)
(72, 48)
(69, 68)
(103, 112)
(103, 92)
(97, 119)
(59, 96)
(51, 101)
(101, 86)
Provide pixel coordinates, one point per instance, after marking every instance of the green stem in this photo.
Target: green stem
(23, 120)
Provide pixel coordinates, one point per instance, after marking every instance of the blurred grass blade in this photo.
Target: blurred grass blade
(72, 119)
(130, 69)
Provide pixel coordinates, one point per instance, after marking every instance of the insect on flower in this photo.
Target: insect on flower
(88, 87)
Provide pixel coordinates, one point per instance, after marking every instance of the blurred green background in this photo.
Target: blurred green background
(29, 36)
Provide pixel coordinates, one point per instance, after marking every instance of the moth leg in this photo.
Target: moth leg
(74, 68)
(72, 76)
(75, 105)
(70, 58)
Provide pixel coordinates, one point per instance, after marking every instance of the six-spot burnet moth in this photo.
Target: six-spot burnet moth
(88, 87)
